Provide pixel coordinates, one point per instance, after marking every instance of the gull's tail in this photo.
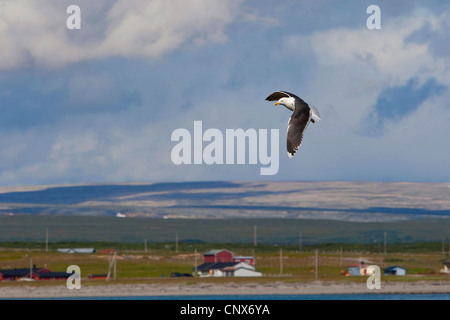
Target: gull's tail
(315, 113)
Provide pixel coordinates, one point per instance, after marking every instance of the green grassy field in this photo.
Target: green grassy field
(415, 245)
(160, 260)
(279, 231)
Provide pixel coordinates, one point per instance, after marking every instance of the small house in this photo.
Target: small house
(446, 266)
(243, 270)
(223, 263)
(15, 274)
(395, 270)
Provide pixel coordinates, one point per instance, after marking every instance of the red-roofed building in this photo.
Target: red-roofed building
(217, 256)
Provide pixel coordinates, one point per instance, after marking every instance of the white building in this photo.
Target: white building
(77, 250)
(395, 270)
(227, 269)
(446, 266)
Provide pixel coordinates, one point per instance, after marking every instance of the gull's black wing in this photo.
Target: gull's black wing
(297, 125)
(277, 95)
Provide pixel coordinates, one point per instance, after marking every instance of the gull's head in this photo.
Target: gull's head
(287, 102)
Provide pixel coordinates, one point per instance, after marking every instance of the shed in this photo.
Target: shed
(98, 276)
(247, 259)
(395, 270)
(108, 251)
(77, 250)
(354, 271)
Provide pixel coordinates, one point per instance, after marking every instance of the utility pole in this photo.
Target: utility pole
(385, 241)
(46, 240)
(145, 245)
(316, 265)
(449, 248)
(340, 257)
(176, 242)
(255, 242)
(300, 242)
(443, 247)
(195, 263)
(281, 262)
(115, 266)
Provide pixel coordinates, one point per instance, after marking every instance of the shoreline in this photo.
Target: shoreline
(205, 289)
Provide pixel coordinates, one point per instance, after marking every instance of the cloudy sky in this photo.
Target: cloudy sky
(99, 105)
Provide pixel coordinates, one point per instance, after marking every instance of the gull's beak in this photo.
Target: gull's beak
(277, 103)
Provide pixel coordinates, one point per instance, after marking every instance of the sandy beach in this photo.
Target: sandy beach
(275, 288)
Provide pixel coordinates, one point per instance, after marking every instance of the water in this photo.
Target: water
(440, 296)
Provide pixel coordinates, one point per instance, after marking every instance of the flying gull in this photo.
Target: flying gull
(301, 116)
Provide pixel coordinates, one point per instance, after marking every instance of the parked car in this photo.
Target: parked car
(180, 275)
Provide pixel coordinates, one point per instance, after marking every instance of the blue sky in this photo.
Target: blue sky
(98, 105)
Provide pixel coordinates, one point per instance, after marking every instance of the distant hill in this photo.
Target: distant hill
(336, 200)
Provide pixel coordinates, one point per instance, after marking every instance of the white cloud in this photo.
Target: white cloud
(355, 65)
(340, 71)
(352, 67)
(33, 32)
(384, 51)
